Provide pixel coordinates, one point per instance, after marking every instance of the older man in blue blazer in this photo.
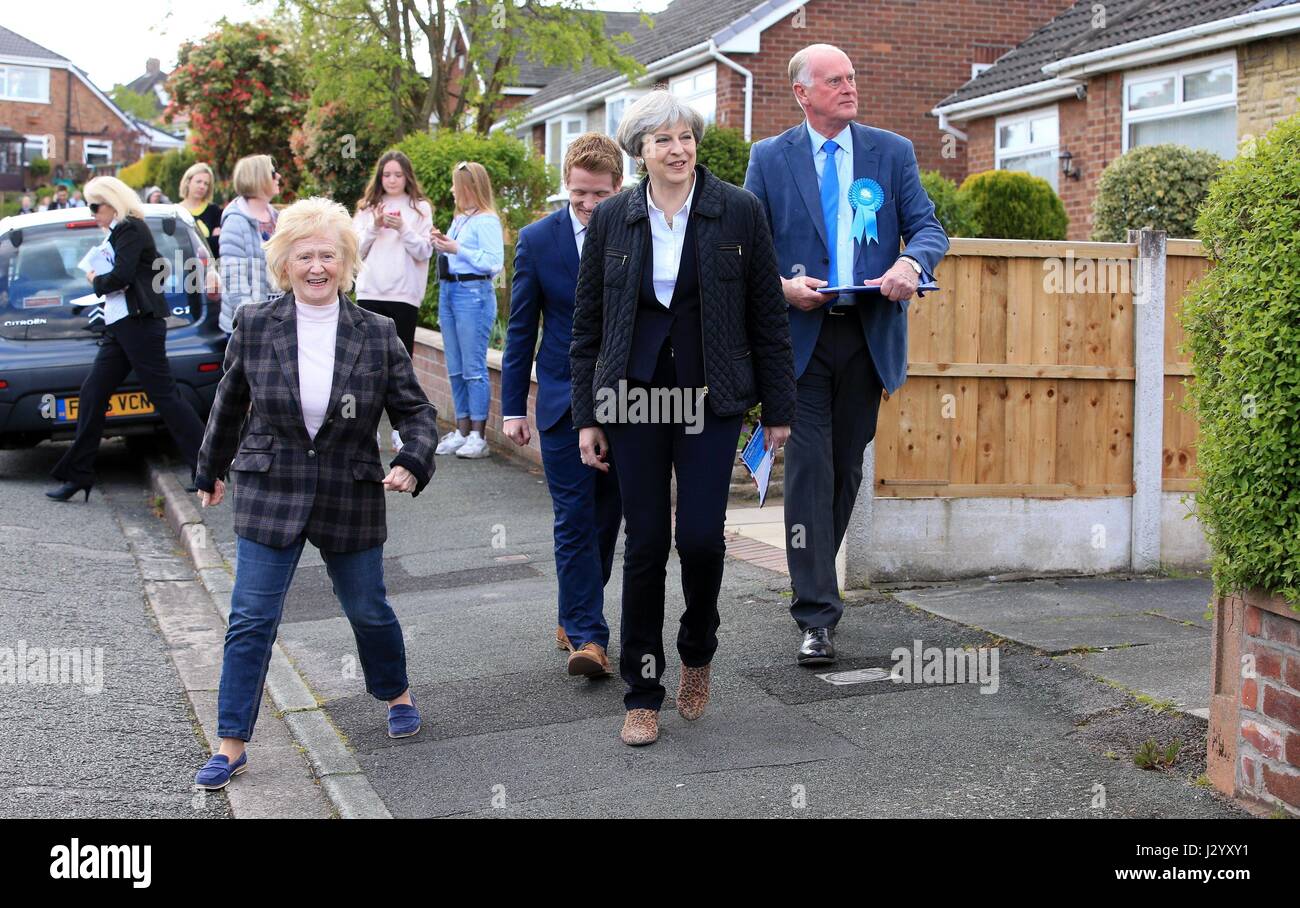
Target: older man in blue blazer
(588, 509)
(841, 198)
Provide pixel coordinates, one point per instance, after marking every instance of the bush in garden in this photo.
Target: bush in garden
(1011, 205)
(725, 152)
(1243, 325)
(142, 173)
(1158, 186)
(951, 207)
(521, 179)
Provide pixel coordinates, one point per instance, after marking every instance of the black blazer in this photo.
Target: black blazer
(286, 481)
(135, 264)
(745, 329)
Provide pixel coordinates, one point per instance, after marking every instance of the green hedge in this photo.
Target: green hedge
(1243, 324)
(521, 180)
(1158, 186)
(951, 206)
(725, 152)
(1011, 205)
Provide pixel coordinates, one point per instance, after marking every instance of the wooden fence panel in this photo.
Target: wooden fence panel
(1020, 377)
(1180, 431)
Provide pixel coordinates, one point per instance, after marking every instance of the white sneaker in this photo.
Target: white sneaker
(451, 443)
(474, 448)
(397, 442)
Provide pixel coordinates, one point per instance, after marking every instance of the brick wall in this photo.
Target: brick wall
(908, 54)
(73, 115)
(1268, 81)
(431, 369)
(1254, 738)
(1269, 746)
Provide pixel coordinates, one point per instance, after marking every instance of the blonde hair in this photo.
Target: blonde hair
(474, 187)
(193, 171)
(254, 176)
(113, 192)
(305, 218)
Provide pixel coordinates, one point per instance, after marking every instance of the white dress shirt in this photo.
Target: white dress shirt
(318, 328)
(115, 308)
(844, 249)
(667, 244)
(579, 229)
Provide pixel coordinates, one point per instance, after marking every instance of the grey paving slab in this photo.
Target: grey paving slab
(1171, 671)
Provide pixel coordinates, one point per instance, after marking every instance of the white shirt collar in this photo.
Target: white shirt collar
(578, 226)
(844, 140)
(686, 206)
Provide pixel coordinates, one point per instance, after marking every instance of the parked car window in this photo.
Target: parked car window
(40, 280)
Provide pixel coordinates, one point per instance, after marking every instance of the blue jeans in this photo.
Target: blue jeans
(262, 578)
(466, 313)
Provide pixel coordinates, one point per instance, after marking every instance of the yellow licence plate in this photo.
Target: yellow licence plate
(127, 403)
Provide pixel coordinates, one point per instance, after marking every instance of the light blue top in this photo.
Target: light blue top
(844, 170)
(482, 248)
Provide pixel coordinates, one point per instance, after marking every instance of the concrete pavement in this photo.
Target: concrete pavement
(470, 571)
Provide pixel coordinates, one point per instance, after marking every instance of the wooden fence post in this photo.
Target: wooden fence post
(1148, 397)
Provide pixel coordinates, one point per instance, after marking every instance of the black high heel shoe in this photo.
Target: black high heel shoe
(67, 490)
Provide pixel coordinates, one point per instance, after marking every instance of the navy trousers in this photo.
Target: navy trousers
(588, 511)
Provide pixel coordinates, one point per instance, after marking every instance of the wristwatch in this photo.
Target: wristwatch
(916, 266)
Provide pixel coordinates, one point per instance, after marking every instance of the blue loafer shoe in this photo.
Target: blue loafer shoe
(216, 773)
(403, 720)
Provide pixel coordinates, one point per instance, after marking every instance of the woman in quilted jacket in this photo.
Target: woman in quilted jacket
(679, 328)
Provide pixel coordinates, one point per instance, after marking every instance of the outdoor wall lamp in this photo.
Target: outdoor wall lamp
(1067, 165)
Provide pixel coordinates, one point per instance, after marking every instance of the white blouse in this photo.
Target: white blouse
(317, 336)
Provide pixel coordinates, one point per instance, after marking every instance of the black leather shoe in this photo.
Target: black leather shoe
(817, 647)
(67, 490)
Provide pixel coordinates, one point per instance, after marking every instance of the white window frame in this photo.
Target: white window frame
(46, 142)
(44, 82)
(676, 83)
(1027, 115)
(629, 98)
(105, 144)
(1180, 107)
(563, 122)
(977, 68)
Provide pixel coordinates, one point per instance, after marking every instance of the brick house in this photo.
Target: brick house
(1100, 79)
(730, 59)
(61, 114)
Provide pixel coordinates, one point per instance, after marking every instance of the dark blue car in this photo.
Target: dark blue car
(50, 325)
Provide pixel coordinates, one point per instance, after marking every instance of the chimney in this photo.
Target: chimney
(152, 66)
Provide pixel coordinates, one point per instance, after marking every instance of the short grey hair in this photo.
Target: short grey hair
(801, 63)
(651, 112)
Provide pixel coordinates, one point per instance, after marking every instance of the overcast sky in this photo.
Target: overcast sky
(111, 39)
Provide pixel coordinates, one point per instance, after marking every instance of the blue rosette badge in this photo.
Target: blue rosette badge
(866, 198)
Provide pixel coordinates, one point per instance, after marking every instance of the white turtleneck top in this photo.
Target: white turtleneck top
(317, 335)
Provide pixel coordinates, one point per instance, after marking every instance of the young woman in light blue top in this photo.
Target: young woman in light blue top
(469, 254)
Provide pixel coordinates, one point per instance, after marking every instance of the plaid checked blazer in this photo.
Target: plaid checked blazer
(285, 482)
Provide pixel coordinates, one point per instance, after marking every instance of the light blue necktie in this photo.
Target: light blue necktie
(831, 207)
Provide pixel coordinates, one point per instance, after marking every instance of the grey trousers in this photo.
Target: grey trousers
(839, 399)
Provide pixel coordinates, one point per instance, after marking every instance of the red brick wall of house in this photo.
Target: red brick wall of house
(90, 119)
(908, 54)
(1091, 130)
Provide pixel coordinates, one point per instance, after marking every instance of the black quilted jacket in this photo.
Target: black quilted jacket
(746, 330)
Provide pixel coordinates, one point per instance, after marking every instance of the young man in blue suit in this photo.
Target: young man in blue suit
(812, 180)
(588, 509)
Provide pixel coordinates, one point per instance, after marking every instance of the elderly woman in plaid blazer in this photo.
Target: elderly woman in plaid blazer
(307, 376)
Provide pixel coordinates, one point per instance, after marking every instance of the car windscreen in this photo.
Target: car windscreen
(44, 295)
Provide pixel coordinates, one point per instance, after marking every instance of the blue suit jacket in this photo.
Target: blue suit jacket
(782, 175)
(545, 277)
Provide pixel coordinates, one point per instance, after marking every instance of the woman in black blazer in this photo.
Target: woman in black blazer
(679, 301)
(135, 335)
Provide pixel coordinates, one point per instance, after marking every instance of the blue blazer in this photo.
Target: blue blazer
(546, 275)
(782, 175)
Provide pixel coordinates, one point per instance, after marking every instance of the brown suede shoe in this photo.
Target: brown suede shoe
(641, 727)
(562, 640)
(589, 660)
(693, 692)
